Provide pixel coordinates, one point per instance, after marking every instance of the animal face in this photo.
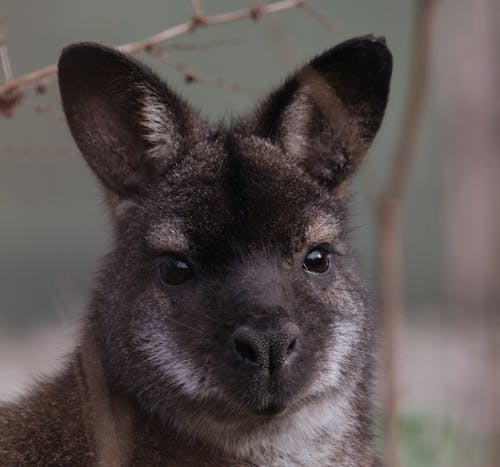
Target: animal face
(230, 297)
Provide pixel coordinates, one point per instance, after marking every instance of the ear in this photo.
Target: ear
(327, 114)
(124, 119)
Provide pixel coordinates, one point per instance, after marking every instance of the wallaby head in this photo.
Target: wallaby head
(229, 306)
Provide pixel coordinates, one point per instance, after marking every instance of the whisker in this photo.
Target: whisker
(191, 328)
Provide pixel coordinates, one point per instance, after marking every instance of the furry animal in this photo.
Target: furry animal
(228, 325)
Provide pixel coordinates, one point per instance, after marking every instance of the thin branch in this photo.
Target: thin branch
(278, 38)
(390, 224)
(43, 107)
(7, 104)
(44, 76)
(48, 74)
(197, 9)
(212, 20)
(324, 20)
(4, 53)
(193, 76)
(4, 58)
(181, 47)
(405, 152)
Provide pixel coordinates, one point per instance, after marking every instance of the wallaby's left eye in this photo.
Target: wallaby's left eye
(317, 261)
(174, 271)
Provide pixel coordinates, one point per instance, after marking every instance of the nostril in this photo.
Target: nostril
(245, 350)
(251, 346)
(291, 347)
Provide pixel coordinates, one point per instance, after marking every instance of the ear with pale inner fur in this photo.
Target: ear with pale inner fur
(327, 114)
(124, 119)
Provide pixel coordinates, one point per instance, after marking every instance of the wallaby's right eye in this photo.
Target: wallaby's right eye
(173, 270)
(317, 261)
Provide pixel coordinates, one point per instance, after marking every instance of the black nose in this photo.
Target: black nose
(267, 349)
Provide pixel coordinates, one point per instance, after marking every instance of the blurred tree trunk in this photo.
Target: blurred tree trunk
(468, 66)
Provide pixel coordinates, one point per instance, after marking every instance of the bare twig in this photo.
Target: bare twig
(278, 38)
(7, 104)
(193, 76)
(211, 20)
(43, 76)
(324, 20)
(4, 53)
(4, 58)
(181, 47)
(197, 9)
(389, 223)
(48, 74)
(43, 107)
(418, 87)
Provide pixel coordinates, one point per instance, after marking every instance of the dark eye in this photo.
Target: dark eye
(174, 271)
(317, 261)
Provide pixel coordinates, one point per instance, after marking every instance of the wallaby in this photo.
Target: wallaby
(228, 326)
